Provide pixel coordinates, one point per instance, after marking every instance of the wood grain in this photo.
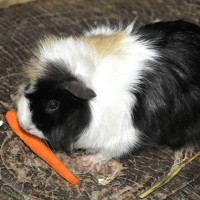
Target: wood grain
(22, 174)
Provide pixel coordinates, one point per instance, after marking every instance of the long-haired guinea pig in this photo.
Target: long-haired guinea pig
(113, 90)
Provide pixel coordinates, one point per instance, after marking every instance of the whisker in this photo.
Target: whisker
(48, 143)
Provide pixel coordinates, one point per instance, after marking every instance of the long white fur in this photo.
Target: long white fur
(112, 77)
(111, 131)
(25, 117)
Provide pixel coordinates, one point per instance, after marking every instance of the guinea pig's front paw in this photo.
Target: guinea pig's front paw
(183, 154)
(93, 162)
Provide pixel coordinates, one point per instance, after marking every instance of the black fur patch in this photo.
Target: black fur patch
(63, 125)
(168, 103)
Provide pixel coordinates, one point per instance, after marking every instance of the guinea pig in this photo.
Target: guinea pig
(113, 90)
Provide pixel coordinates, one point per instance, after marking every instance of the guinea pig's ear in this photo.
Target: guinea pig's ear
(79, 89)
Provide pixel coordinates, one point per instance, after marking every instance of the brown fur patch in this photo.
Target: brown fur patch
(48, 40)
(32, 70)
(106, 44)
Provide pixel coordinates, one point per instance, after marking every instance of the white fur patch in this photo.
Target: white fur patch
(24, 117)
(111, 131)
(73, 52)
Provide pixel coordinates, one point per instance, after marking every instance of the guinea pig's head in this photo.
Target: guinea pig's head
(55, 106)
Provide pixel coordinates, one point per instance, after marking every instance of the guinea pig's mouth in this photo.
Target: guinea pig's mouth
(60, 143)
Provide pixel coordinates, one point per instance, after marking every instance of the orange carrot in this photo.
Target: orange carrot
(40, 149)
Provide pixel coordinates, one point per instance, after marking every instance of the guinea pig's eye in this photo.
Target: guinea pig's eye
(53, 105)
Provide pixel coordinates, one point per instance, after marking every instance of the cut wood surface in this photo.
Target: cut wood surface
(25, 176)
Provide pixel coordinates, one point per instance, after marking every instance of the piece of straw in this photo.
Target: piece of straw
(172, 173)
